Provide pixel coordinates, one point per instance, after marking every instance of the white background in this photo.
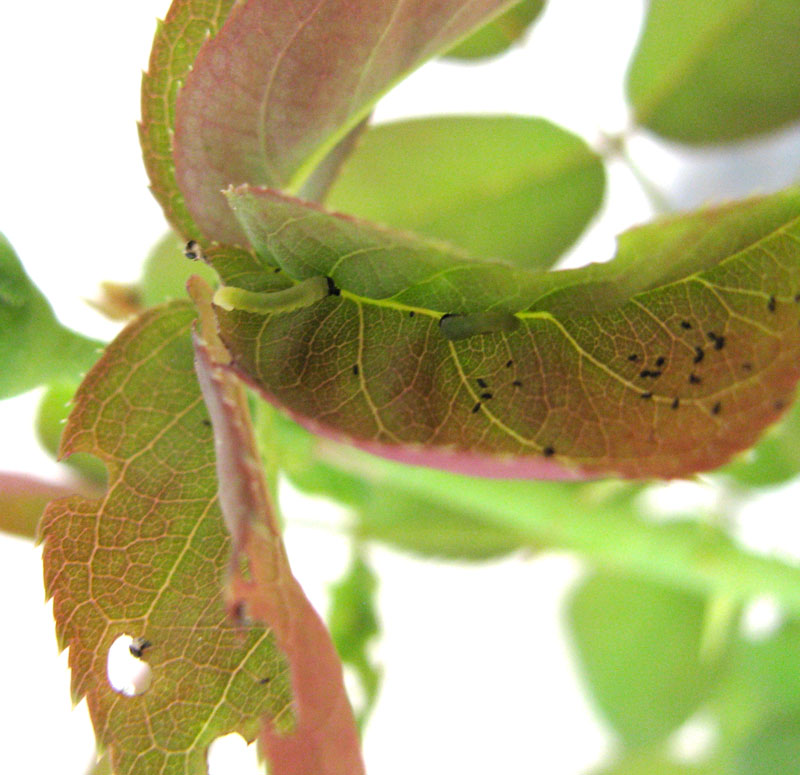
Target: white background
(478, 674)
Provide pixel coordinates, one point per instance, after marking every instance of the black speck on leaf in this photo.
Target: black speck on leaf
(333, 289)
(206, 422)
(660, 361)
(772, 304)
(694, 379)
(717, 408)
(548, 452)
(633, 357)
(676, 402)
(509, 364)
(653, 374)
(747, 366)
(355, 369)
(481, 382)
(699, 354)
(645, 395)
(487, 395)
(685, 325)
(476, 407)
(516, 383)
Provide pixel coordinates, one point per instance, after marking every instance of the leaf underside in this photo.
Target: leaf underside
(148, 560)
(663, 362)
(298, 78)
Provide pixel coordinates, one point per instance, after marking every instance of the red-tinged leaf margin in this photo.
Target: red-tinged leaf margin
(187, 25)
(282, 84)
(616, 343)
(148, 560)
(325, 741)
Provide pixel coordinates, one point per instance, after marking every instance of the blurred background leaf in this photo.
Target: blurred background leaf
(519, 189)
(500, 34)
(718, 70)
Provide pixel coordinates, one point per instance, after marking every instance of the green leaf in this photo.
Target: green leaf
(384, 510)
(773, 749)
(353, 622)
(662, 362)
(775, 459)
(148, 559)
(518, 189)
(717, 70)
(500, 33)
(34, 347)
(639, 646)
(298, 81)
(50, 418)
(655, 763)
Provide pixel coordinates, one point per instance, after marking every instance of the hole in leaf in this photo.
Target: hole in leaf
(127, 674)
(231, 753)
(761, 618)
(694, 741)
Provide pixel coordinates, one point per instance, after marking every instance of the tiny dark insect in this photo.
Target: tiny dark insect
(138, 647)
(649, 373)
(481, 382)
(355, 369)
(676, 402)
(265, 681)
(487, 395)
(206, 422)
(716, 408)
(192, 250)
(411, 313)
(276, 270)
(685, 325)
(333, 289)
(516, 383)
(509, 364)
(633, 357)
(548, 452)
(660, 361)
(699, 354)
(694, 379)
(719, 341)
(476, 407)
(772, 304)
(645, 395)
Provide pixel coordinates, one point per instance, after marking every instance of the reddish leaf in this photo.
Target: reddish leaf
(282, 83)
(325, 741)
(148, 559)
(662, 362)
(187, 26)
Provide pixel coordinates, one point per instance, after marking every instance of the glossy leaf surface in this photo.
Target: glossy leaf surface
(34, 347)
(298, 78)
(640, 649)
(148, 559)
(512, 188)
(662, 362)
(718, 70)
(500, 34)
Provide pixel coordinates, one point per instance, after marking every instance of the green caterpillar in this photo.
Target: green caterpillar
(304, 294)
(455, 327)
